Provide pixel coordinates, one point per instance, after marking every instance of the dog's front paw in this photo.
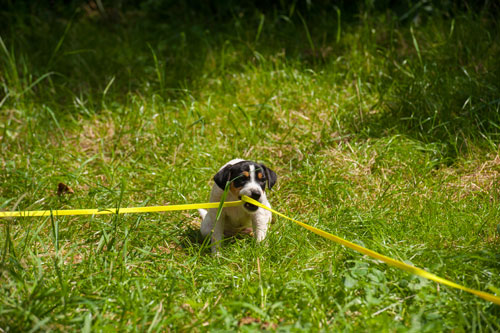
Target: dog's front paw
(260, 235)
(216, 251)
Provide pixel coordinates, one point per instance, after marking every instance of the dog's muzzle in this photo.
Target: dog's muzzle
(249, 206)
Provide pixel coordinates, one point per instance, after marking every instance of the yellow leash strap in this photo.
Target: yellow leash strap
(381, 257)
(151, 209)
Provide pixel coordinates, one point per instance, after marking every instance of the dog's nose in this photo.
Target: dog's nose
(255, 195)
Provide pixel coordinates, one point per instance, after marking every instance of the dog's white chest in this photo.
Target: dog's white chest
(236, 220)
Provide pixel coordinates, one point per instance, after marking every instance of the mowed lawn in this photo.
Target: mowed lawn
(382, 124)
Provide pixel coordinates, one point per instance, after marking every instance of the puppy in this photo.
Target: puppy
(247, 178)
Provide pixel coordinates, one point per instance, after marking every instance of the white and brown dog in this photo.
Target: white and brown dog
(247, 178)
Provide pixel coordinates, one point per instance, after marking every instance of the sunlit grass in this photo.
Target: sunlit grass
(384, 133)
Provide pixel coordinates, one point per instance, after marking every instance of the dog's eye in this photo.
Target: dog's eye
(241, 179)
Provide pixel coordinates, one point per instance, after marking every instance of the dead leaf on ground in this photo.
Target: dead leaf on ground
(248, 320)
(268, 326)
(188, 308)
(263, 325)
(64, 189)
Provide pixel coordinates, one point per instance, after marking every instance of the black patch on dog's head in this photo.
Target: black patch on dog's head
(222, 176)
(270, 175)
(239, 174)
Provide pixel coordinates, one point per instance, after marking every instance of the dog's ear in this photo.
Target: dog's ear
(222, 176)
(270, 175)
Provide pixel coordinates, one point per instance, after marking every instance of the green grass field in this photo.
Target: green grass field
(383, 126)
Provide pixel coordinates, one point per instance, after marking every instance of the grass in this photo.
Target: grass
(382, 125)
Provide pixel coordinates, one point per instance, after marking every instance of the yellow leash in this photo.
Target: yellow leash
(151, 209)
(381, 257)
(361, 249)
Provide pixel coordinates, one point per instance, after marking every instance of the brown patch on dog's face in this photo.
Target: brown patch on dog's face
(260, 175)
(246, 173)
(235, 190)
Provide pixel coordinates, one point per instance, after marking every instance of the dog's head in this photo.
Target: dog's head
(247, 178)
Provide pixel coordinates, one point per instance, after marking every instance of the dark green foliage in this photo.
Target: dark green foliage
(380, 118)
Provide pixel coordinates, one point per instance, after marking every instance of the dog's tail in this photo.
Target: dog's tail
(203, 213)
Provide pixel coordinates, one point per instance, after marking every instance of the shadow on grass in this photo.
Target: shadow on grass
(87, 51)
(440, 81)
(454, 108)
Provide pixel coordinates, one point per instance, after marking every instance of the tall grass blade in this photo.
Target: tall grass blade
(339, 25)
(159, 73)
(222, 200)
(59, 43)
(259, 29)
(308, 34)
(415, 44)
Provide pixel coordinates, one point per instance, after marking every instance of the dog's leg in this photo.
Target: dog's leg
(209, 224)
(259, 223)
(218, 234)
(259, 232)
